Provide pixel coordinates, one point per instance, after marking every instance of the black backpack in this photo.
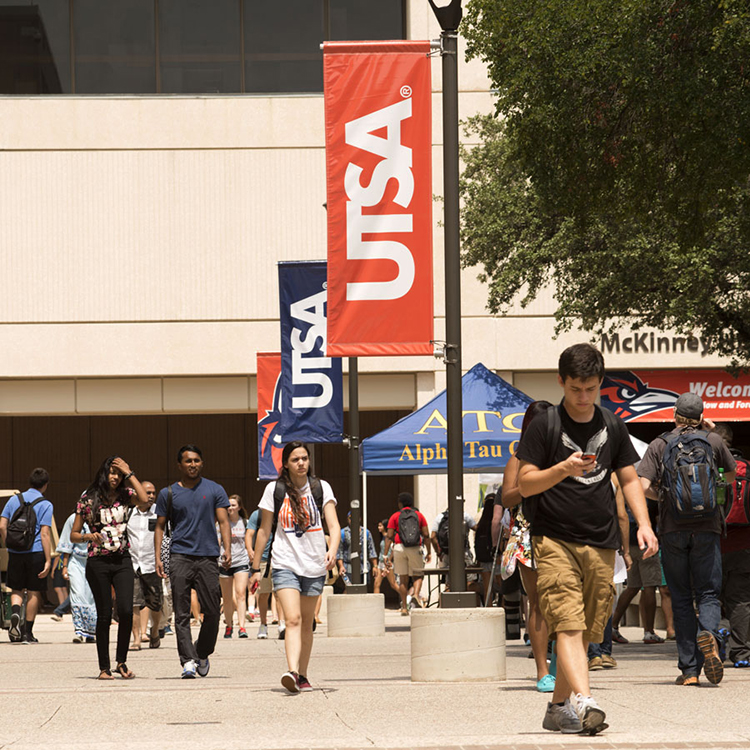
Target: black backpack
(688, 475)
(554, 430)
(409, 531)
(443, 533)
(22, 527)
(279, 493)
(483, 547)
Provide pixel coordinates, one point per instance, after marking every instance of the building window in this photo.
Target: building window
(180, 46)
(199, 47)
(115, 51)
(34, 47)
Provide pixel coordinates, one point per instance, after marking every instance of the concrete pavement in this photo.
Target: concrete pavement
(364, 698)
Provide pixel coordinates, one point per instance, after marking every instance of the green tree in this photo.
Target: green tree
(616, 164)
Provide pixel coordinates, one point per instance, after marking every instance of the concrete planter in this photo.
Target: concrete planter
(458, 645)
(356, 615)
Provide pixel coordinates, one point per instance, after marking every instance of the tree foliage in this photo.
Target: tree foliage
(616, 165)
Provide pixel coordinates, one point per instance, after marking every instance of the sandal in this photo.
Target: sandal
(135, 647)
(742, 664)
(124, 672)
(105, 674)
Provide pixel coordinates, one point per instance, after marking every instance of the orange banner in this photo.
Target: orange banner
(378, 115)
(269, 414)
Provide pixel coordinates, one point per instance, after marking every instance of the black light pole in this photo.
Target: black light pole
(449, 17)
(355, 485)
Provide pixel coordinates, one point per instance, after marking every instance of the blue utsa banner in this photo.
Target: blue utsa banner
(312, 388)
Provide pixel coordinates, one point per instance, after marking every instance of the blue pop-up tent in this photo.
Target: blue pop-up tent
(492, 415)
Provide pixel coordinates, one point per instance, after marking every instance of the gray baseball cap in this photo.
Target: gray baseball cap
(689, 405)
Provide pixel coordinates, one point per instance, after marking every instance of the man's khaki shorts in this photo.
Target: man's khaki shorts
(575, 586)
(643, 572)
(406, 560)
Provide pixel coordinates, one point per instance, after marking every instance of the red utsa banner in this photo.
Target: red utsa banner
(269, 414)
(379, 184)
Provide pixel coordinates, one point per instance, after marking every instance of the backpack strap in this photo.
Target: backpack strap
(613, 429)
(279, 493)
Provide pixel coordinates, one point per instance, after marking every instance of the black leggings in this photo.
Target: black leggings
(102, 573)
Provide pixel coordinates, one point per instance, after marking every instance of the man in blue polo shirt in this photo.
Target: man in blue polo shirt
(197, 505)
(28, 569)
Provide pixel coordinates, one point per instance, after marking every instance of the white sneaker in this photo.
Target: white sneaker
(189, 669)
(263, 632)
(590, 714)
(561, 718)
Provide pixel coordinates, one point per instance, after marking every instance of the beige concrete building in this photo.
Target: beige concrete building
(140, 236)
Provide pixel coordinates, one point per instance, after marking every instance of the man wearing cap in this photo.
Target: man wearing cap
(691, 553)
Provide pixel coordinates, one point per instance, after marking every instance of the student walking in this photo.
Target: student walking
(106, 507)
(297, 502)
(574, 527)
(192, 507)
(518, 554)
(234, 580)
(82, 605)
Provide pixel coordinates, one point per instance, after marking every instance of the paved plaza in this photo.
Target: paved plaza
(364, 698)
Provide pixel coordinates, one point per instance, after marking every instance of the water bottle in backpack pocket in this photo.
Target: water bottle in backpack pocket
(689, 476)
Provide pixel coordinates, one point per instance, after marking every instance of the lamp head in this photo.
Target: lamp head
(448, 16)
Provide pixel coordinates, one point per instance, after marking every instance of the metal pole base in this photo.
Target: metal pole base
(459, 599)
(356, 588)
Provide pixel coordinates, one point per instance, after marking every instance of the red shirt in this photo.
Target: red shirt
(393, 524)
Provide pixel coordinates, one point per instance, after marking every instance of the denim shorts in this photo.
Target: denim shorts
(230, 572)
(287, 579)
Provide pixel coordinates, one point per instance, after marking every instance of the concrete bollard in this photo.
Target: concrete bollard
(458, 645)
(327, 593)
(356, 615)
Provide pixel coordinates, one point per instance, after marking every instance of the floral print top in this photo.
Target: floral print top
(112, 524)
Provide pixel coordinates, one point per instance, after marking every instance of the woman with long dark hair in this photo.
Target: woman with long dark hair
(519, 552)
(105, 507)
(384, 571)
(299, 558)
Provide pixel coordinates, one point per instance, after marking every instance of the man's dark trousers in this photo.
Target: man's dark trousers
(187, 572)
(692, 557)
(735, 595)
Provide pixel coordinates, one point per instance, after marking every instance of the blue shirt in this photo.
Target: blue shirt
(194, 517)
(344, 552)
(254, 524)
(43, 513)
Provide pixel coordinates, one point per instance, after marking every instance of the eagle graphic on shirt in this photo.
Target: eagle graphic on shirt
(594, 446)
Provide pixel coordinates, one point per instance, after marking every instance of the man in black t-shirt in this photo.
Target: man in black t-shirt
(574, 526)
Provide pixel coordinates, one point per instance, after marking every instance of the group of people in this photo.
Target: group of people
(576, 490)
(114, 543)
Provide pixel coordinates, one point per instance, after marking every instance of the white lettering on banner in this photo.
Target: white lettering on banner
(396, 164)
(721, 390)
(312, 311)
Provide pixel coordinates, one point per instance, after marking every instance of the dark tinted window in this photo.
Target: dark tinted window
(199, 46)
(282, 45)
(34, 47)
(193, 47)
(114, 47)
(352, 20)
